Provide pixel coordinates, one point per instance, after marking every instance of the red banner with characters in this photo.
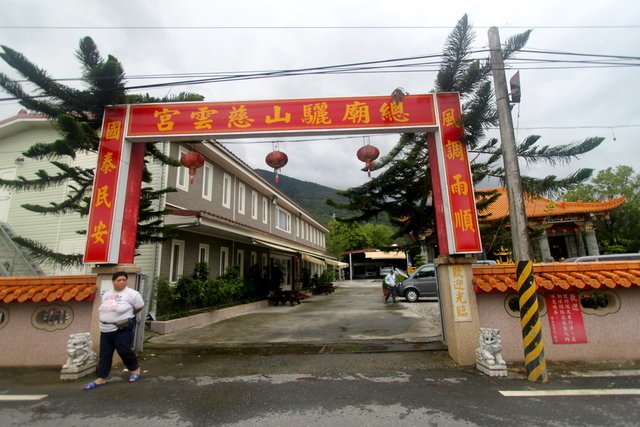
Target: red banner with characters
(565, 318)
(102, 212)
(229, 119)
(454, 200)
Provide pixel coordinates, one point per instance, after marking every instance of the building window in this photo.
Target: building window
(240, 261)
(224, 260)
(265, 210)
(254, 258)
(283, 220)
(241, 198)
(182, 175)
(207, 181)
(297, 227)
(254, 205)
(203, 253)
(265, 263)
(226, 191)
(177, 260)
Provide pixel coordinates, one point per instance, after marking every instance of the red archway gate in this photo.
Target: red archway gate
(113, 216)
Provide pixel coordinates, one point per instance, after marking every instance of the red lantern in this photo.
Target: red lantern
(276, 159)
(192, 160)
(368, 154)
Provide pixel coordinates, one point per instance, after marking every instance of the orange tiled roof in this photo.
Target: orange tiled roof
(543, 207)
(560, 276)
(47, 288)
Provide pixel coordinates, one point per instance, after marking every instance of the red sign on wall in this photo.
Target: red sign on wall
(454, 198)
(565, 318)
(248, 118)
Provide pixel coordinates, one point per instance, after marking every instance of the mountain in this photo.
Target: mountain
(310, 196)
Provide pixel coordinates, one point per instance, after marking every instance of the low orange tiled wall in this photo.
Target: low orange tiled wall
(37, 315)
(610, 334)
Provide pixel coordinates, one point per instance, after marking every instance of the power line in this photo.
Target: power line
(395, 65)
(308, 27)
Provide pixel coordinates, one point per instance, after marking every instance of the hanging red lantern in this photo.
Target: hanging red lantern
(276, 159)
(368, 154)
(192, 160)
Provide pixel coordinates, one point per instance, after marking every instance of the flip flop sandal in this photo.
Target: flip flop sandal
(92, 385)
(134, 377)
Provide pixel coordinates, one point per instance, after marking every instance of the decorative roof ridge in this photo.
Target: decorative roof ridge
(560, 276)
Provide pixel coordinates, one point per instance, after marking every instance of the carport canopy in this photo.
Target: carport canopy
(386, 255)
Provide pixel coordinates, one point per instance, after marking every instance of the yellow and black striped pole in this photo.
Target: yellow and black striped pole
(534, 361)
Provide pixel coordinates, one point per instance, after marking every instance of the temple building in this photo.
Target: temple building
(567, 227)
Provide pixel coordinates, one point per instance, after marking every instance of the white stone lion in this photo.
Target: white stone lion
(490, 350)
(79, 350)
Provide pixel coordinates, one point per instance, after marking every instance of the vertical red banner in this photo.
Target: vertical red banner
(454, 171)
(565, 318)
(438, 204)
(102, 212)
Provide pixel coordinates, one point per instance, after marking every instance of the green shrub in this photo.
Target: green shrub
(595, 300)
(305, 278)
(327, 275)
(192, 293)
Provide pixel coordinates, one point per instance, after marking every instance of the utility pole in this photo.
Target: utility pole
(517, 215)
(535, 363)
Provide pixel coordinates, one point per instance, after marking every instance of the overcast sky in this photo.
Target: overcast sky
(564, 102)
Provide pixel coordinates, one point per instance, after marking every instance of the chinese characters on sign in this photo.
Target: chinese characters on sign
(228, 118)
(459, 293)
(101, 213)
(565, 318)
(111, 232)
(456, 217)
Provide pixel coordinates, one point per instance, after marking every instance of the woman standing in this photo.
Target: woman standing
(117, 314)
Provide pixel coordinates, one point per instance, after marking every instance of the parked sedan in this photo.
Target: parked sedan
(422, 283)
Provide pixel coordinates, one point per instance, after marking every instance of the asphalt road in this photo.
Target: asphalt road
(390, 378)
(381, 389)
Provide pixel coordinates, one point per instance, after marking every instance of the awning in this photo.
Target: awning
(274, 246)
(385, 255)
(312, 259)
(336, 263)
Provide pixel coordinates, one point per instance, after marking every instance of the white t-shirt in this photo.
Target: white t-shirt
(390, 279)
(118, 306)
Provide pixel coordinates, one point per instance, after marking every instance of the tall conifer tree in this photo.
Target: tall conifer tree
(403, 192)
(77, 115)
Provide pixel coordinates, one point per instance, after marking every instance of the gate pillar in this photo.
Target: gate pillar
(458, 307)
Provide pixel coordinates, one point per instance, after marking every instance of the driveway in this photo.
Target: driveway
(354, 314)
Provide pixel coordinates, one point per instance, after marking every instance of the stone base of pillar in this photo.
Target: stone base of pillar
(496, 370)
(78, 372)
(461, 335)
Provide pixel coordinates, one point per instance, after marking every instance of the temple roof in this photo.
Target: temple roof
(541, 207)
(48, 288)
(560, 276)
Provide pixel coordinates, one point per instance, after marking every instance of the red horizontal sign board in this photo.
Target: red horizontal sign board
(221, 118)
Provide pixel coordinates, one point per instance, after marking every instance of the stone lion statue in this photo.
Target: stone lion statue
(79, 350)
(490, 349)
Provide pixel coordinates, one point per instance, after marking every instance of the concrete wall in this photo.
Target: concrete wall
(26, 343)
(613, 336)
(175, 325)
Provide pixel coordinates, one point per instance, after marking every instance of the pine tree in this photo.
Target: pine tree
(402, 191)
(77, 115)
